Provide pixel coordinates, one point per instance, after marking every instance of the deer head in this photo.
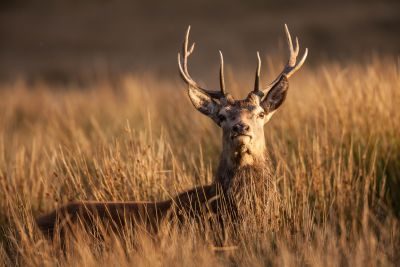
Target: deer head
(242, 121)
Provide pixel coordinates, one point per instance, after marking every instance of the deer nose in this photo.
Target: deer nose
(240, 128)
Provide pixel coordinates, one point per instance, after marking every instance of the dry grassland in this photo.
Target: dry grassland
(335, 147)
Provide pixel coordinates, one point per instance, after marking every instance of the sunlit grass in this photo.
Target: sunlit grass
(335, 145)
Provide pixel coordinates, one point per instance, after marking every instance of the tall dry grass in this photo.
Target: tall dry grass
(335, 146)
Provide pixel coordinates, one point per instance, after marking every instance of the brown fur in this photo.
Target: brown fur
(215, 199)
(221, 198)
(149, 214)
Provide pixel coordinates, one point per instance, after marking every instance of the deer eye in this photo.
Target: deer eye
(261, 115)
(221, 117)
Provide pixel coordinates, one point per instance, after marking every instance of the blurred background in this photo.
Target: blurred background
(71, 40)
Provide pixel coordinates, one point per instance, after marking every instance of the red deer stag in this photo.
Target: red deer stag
(243, 154)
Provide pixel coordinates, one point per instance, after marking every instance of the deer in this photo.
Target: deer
(244, 154)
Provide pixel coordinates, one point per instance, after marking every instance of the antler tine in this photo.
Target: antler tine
(221, 74)
(257, 79)
(292, 65)
(297, 46)
(186, 52)
(183, 69)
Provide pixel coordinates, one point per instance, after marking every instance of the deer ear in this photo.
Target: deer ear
(204, 103)
(276, 95)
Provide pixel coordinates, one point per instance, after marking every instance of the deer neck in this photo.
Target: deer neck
(239, 169)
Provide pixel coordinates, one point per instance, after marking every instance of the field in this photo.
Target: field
(335, 147)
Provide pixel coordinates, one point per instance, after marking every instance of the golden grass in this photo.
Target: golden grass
(335, 146)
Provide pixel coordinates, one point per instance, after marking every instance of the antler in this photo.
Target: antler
(188, 79)
(292, 66)
(257, 79)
